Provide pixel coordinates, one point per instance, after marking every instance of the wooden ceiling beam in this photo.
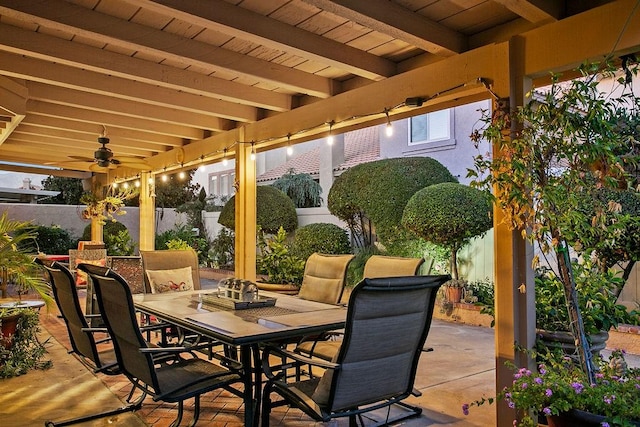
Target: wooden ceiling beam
(42, 108)
(67, 17)
(535, 11)
(54, 49)
(89, 81)
(105, 103)
(236, 21)
(69, 142)
(44, 171)
(398, 22)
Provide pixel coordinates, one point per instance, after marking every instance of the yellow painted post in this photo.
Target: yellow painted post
(147, 212)
(97, 230)
(245, 207)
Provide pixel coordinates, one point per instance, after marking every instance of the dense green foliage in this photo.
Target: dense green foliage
(70, 190)
(176, 191)
(379, 191)
(116, 237)
(320, 237)
(222, 250)
(26, 352)
(448, 214)
(182, 232)
(276, 260)
(274, 210)
(301, 188)
(53, 240)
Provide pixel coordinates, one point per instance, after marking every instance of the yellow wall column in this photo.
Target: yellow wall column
(245, 262)
(147, 212)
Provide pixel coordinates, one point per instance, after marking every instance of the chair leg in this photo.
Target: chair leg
(128, 408)
(266, 404)
(196, 411)
(178, 420)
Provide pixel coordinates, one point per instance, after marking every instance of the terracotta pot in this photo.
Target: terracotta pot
(577, 418)
(286, 289)
(454, 294)
(9, 327)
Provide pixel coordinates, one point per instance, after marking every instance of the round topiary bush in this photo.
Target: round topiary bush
(448, 214)
(274, 210)
(380, 190)
(320, 237)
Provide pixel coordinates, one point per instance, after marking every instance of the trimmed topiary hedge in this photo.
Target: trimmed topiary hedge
(275, 210)
(448, 214)
(380, 190)
(320, 237)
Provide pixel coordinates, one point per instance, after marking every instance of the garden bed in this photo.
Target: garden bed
(461, 312)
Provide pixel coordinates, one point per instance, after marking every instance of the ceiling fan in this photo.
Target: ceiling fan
(103, 159)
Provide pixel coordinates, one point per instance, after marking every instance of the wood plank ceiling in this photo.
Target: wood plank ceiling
(160, 75)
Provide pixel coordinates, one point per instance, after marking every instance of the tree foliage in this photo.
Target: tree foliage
(301, 188)
(176, 191)
(274, 210)
(70, 190)
(379, 191)
(448, 214)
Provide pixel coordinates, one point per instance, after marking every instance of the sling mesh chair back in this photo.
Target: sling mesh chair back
(388, 320)
(324, 277)
(84, 344)
(376, 266)
(151, 369)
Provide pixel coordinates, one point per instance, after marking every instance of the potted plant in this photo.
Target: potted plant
(283, 270)
(563, 393)
(20, 349)
(565, 146)
(106, 208)
(449, 214)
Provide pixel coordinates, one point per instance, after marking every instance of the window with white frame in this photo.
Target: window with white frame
(431, 127)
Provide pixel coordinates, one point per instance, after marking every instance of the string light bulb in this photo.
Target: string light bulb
(137, 183)
(224, 157)
(289, 147)
(201, 168)
(253, 152)
(125, 185)
(389, 129)
(330, 137)
(150, 180)
(181, 175)
(164, 177)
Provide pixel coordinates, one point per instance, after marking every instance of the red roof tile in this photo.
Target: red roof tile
(360, 146)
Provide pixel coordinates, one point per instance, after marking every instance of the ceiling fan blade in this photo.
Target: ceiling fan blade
(76, 159)
(81, 158)
(100, 169)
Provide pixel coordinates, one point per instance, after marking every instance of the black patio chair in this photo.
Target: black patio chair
(388, 320)
(174, 379)
(85, 340)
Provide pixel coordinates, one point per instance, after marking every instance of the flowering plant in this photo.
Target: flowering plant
(559, 385)
(105, 209)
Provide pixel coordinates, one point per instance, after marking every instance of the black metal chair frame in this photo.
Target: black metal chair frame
(150, 368)
(299, 393)
(84, 344)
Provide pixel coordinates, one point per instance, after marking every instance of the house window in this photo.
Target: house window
(431, 127)
(213, 185)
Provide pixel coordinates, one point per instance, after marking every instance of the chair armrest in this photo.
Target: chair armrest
(297, 358)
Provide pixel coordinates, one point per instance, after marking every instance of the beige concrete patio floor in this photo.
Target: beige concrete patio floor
(458, 370)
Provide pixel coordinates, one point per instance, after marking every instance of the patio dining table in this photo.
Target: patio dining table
(272, 318)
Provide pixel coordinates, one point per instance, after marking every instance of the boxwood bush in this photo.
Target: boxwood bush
(51, 240)
(274, 210)
(320, 237)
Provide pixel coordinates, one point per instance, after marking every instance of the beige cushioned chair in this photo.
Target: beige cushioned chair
(324, 277)
(170, 260)
(376, 266)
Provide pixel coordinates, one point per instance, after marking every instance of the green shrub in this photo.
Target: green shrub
(52, 240)
(320, 237)
(448, 214)
(222, 249)
(274, 210)
(116, 237)
(379, 191)
(182, 232)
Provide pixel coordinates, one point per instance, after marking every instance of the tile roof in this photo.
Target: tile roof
(360, 146)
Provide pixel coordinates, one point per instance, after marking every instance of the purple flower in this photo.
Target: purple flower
(609, 399)
(605, 424)
(538, 380)
(511, 405)
(578, 387)
(548, 392)
(524, 385)
(465, 409)
(542, 369)
(546, 411)
(600, 375)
